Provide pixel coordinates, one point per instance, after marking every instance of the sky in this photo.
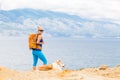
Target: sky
(96, 9)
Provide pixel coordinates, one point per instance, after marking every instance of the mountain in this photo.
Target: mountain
(20, 22)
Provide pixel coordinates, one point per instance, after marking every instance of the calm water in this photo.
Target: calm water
(74, 53)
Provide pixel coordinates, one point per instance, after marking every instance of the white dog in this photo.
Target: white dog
(57, 65)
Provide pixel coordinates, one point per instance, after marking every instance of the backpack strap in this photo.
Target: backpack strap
(36, 38)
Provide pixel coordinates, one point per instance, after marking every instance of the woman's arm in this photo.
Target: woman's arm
(38, 40)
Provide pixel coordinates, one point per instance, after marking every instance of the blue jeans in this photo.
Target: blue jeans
(38, 54)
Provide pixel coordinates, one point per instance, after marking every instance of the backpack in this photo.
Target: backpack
(32, 41)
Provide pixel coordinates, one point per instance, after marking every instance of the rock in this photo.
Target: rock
(81, 69)
(103, 67)
(2, 68)
(118, 65)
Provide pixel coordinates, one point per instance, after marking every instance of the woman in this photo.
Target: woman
(38, 53)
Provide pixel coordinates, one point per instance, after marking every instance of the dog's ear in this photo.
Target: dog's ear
(58, 60)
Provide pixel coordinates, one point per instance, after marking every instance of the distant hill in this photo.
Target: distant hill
(22, 22)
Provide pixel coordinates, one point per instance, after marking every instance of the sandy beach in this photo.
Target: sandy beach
(101, 73)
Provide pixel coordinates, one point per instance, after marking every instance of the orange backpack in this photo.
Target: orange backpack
(32, 41)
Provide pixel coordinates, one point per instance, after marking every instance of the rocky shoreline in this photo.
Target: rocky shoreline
(102, 73)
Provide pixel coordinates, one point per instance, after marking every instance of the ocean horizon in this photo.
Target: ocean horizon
(74, 53)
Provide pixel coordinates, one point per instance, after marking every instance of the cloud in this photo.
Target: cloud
(100, 9)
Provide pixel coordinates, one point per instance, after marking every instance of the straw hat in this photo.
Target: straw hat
(40, 28)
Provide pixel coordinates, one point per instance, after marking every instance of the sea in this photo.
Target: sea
(75, 53)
